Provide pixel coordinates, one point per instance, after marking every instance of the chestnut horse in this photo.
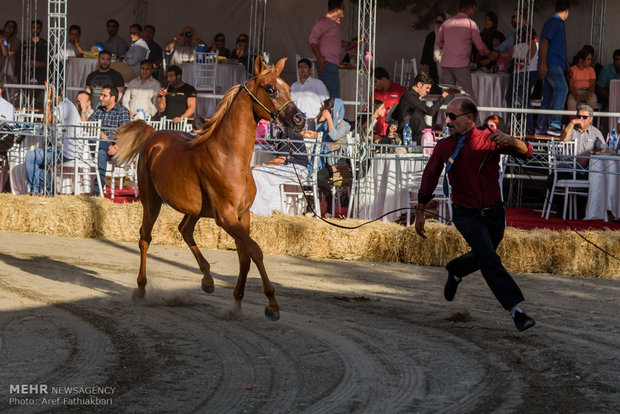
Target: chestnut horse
(210, 176)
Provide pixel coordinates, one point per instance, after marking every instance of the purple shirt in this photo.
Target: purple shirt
(455, 37)
(326, 34)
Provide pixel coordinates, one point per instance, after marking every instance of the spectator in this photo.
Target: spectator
(7, 111)
(156, 56)
(412, 110)
(326, 43)
(495, 122)
(595, 64)
(112, 115)
(65, 115)
(142, 91)
(552, 65)
(197, 125)
(455, 38)
(73, 45)
(241, 49)
(178, 100)
(38, 62)
(491, 38)
(105, 75)
(510, 40)
(139, 49)
(430, 52)
(83, 105)
(387, 92)
(115, 44)
(582, 82)
(182, 48)
(219, 40)
(608, 73)
(8, 62)
(308, 93)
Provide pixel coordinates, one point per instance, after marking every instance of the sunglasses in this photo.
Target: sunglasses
(453, 116)
(583, 116)
(219, 40)
(439, 21)
(243, 40)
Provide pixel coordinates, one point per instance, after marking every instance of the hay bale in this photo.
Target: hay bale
(572, 255)
(526, 250)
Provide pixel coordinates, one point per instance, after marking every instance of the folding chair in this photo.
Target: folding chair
(83, 168)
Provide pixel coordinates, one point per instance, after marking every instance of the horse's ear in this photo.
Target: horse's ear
(258, 64)
(280, 65)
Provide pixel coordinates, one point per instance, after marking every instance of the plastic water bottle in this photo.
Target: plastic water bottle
(407, 141)
(446, 131)
(200, 53)
(140, 114)
(612, 140)
(428, 141)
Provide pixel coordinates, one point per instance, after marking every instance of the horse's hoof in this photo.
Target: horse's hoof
(208, 289)
(138, 294)
(274, 316)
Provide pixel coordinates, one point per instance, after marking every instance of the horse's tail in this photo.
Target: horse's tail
(130, 138)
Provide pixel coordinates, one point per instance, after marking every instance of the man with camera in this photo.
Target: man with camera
(182, 48)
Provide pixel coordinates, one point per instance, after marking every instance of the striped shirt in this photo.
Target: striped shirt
(112, 119)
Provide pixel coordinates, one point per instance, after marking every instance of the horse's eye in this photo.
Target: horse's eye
(271, 91)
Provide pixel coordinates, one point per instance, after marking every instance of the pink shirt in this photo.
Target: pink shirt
(326, 34)
(455, 37)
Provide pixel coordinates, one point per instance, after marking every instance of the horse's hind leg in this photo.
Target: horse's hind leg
(186, 228)
(150, 211)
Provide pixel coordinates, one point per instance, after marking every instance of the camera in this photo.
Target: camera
(187, 34)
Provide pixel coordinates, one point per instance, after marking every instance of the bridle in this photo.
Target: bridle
(274, 115)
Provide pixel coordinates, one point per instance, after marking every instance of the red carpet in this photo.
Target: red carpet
(121, 195)
(527, 219)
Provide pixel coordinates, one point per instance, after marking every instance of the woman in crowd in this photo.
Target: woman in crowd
(241, 49)
(219, 40)
(582, 83)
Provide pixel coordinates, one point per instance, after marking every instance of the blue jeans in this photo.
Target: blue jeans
(532, 78)
(483, 234)
(102, 164)
(330, 78)
(35, 168)
(555, 91)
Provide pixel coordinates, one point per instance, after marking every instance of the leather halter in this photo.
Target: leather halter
(274, 115)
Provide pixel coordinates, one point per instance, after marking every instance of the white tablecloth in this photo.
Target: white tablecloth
(614, 101)
(386, 186)
(17, 163)
(347, 87)
(227, 76)
(77, 71)
(604, 191)
(490, 90)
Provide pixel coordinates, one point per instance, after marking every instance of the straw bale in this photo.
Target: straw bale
(521, 251)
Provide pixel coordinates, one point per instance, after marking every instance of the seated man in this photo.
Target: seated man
(73, 45)
(105, 75)
(182, 48)
(115, 44)
(138, 51)
(308, 93)
(7, 111)
(283, 169)
(65, 115)
(387, 92)
(112, 115)
(608, 73)
(412, 110)
(178, 99)
(141, 92)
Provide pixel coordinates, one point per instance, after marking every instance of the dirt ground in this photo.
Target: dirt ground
(353, 337)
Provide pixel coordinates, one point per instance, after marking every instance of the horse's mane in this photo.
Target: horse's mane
(215, 120)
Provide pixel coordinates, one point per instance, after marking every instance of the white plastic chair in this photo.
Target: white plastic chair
(205, 72)
(444, 205)
(76, 176)
(404, 71)
(169, 124)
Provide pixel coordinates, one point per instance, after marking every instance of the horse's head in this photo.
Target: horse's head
(271, 96)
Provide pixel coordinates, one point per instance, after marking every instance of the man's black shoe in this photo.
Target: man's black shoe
(449, 289)
(522, 321)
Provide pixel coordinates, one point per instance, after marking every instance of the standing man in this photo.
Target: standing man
(308, 93)
(455, 38)
(387, 92)
(472, 166)
(115, 44)
(552, 65)
(178, 99)
(105, 75)
(9, 62)
(138, 51)
(156, 56)
(112, 115)
(38, 61)
(141, 92)
(326, 43)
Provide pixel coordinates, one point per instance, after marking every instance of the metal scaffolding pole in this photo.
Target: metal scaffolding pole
(28, 54)
(521, 75)
(56, 63)
(256, 45)
(597, 26)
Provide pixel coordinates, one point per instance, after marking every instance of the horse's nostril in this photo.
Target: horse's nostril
(298, 119)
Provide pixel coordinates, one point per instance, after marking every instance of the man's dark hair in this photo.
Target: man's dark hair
(583, 54)
(197, 123)
(306, 61)
(75, 27)
(137, 26)
(334, 4)
(146, 61)
(174, 68)
(423, 77)
(113, 22)
(561, 5)
(381, 73)
(113, 91)
(14, 23)
(37, 22)
(616, 53)
(83, 92)
(466, 4)
(105, 52)
(468, 106)
(149, 26)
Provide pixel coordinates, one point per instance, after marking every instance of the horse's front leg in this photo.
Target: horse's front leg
(186, 228)
(247, 249)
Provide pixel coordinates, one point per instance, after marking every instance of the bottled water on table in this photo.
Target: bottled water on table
(612, 140)
(407, 141)
(446, 131)
(140, 114)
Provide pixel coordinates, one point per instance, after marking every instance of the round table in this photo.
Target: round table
(604, 190)
(490, 90)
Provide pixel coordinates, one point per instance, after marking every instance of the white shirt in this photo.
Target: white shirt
(182, 53)
(67, 115)
(7, 112)
(138, 52)
(141, 96)
(309, 96)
